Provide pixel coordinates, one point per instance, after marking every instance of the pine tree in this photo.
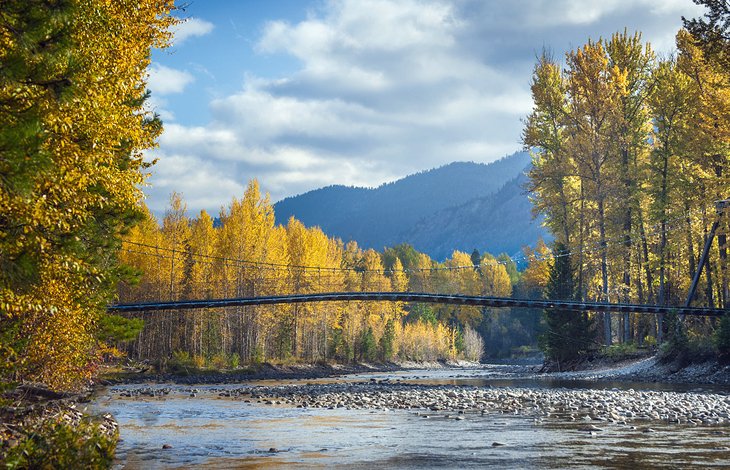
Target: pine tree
(568, 334)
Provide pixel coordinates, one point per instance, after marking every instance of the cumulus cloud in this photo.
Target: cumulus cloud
(386, 88)
(165, 80)
(190, 27)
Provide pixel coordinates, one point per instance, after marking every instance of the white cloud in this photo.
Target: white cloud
(190, 27)
(203, 184)
(165, 80)
(384, 89)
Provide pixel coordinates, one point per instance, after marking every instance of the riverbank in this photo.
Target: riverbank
(608, 406)
(41, 428)
(644, 369)
(419, 419)
(267, 371)
(652, 370)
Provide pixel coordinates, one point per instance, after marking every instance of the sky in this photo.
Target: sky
(302, 94)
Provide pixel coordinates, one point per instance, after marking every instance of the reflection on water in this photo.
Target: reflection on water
(214, 432)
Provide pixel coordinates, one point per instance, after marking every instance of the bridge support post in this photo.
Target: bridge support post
(720, 206)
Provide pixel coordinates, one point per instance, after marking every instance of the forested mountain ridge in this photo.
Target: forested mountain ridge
(499, 223)
(418, 209)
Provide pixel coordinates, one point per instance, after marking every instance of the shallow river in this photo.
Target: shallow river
(213, 431)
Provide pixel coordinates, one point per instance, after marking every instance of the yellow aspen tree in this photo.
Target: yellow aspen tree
(464, 280)
(73, 129)
(595, 89)
(398, 283)
(246, 226)
(374, 280)
(711, 123)
(552, 176)
(635, 60)
(300, 278)
(271, 318)
(198, 279)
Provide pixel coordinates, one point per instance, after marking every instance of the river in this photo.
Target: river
(364, 421)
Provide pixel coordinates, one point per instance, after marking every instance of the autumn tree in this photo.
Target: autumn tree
(72, 132)
(629, 154)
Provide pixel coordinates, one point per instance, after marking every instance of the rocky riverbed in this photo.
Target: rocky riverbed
(629, 407)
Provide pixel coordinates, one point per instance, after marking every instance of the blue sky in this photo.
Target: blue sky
(303, 94)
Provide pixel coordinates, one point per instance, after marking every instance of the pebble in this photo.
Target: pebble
(610, 407)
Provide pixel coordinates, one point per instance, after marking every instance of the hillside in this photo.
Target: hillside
(501, 222)
(461, 205)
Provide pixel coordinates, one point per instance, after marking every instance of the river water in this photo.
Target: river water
(214, 431)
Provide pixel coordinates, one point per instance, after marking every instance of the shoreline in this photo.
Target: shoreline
(645, 370)
(267, 371)
(652, 370)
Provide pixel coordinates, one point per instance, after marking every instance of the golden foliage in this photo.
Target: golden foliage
(72, 89)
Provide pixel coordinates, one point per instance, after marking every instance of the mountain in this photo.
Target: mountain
(462, 205)
(499, 223)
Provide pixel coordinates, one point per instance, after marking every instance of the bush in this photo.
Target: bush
(218, 361)
(650, 341)
(683, 348)
(235, 361)
(722, 339)
(58, 442)
(181, 363)
(473, 345)
(620, 351)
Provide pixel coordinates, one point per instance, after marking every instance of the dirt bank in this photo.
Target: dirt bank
(651, 369)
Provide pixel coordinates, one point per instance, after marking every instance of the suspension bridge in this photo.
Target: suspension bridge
(389, 296)
(422, 297)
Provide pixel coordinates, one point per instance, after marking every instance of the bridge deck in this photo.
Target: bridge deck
(416, 297)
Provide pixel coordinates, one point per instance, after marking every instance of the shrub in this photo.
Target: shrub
(473, 345)
(722, 339)
(58, 442)
(620, 351)
(181, 363)
(235, 360)
(218, 361)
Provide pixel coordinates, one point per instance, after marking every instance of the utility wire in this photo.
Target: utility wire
(242, 263)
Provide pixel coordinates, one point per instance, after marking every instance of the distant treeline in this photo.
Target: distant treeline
(248, 254)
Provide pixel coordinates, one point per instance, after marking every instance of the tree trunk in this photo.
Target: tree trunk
(708, 273)
(645, 250)
(604, 268)
(627, 242)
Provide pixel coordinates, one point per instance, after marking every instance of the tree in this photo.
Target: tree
(72, 132)
(535, 276)
(568, 334)
(712, 33)
(552, 173)
(473, 344)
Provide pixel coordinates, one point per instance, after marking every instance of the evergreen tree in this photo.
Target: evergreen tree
(712, 32)
(568, 334)
(476, 259)
(387, 341)
(723, 339)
